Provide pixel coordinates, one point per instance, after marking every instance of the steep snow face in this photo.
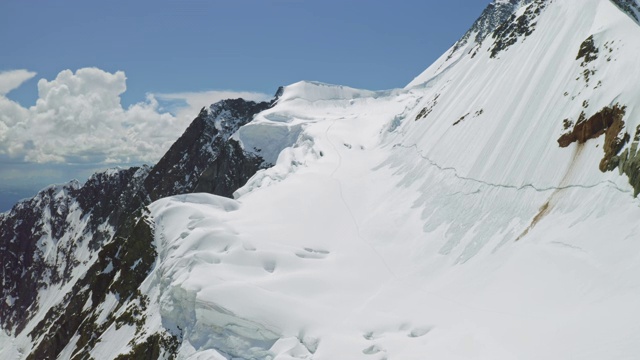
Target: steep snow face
(441, 220)
(509, 110)
(466, 216)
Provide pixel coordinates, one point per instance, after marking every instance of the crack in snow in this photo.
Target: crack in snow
(607, 183)
(340, 192)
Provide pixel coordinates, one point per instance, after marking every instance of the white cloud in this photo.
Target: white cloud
(78, 118)
(11, 80)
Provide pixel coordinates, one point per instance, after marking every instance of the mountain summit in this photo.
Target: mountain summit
(485, 211)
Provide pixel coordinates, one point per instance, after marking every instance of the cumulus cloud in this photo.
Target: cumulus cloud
(10, 80)
(78, 118)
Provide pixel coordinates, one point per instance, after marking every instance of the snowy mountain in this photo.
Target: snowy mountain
(485, 211)
(67, 234)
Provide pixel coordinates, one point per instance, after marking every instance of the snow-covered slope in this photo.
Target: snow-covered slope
(443, 220)
(485, 211)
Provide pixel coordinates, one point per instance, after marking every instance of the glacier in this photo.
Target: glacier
(380, 234)
(441, 220)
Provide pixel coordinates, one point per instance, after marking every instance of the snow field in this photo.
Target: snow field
(328, 254)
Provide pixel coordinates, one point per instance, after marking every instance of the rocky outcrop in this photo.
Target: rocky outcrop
(517, 27)
(597, 125)
(628, 163)
(588, 51)
(229, 171)
(203, 146)
(631, 7)
(41, 239)
(609, 121)
(120, 268)
(494, 15)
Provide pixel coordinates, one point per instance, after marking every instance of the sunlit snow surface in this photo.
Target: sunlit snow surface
(379, 236)
(376, 236)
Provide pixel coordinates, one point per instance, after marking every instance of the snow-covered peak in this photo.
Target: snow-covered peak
(500, 19)
(312, 91)
(60, 188)
(494, 15)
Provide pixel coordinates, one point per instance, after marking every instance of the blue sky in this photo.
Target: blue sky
(188, 51)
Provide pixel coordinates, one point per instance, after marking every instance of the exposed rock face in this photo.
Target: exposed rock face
(96, 238)
(516, 27)
(631, 7)
(595, 126)
(120, 268)
(588, 51)
(428, 109)
(614, 140)
(628, 163)
(498, 20)
(493, 16)
(40, 238)
(204, 147)
(229, 171)
(609, 121)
